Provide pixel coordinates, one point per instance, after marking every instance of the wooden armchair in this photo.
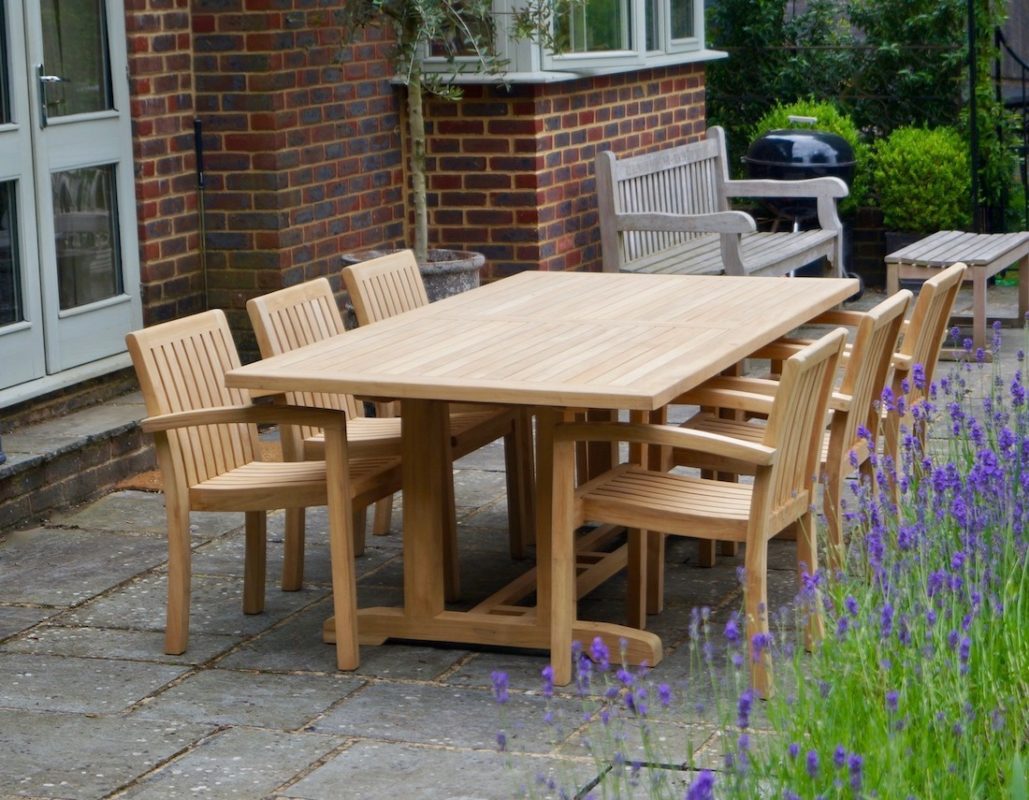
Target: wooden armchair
(668, 211)
(283, 321)
(922, 340)
(784, 462)
(855, 403)
(384, 287)
(207, 449)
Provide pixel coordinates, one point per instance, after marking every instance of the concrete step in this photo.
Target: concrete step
(71, 459)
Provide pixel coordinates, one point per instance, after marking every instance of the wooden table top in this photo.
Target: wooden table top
(569, 339)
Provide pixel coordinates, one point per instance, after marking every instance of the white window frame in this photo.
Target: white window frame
(528, 62)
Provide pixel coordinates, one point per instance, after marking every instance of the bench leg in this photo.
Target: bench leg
(892, 279)
(1023, 287)
(978, 308)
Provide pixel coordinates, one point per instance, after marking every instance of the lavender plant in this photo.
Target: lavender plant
(919, 689)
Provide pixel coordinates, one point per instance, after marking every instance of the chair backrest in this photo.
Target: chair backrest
(688, 179)
(181, 366)
(384, 287)
(295, 317)
(796, 424)
(927, 328)
(868, 368)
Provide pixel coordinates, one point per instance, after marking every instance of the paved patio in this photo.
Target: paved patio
(90, 707)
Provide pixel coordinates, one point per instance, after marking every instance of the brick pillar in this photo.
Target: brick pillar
(303, 152)
(160, 56)
(511, 171)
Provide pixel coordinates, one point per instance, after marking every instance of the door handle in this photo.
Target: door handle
(44, 81)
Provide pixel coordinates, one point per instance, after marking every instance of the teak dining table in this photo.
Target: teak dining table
(555, 342)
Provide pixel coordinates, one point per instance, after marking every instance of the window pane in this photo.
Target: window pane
(594, 26)
(682, 19)
(10, 275)
(459, 36)
(5, 92)
(85, 224)
(75, 49)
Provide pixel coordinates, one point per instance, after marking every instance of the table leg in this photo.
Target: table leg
(978, 307)
(1023, 288)
(341, 550)
(425, 449)
(892, 279)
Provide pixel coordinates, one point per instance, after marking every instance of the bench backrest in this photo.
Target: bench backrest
(688, 179)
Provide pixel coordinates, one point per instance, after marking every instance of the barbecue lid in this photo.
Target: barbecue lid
(800, 148)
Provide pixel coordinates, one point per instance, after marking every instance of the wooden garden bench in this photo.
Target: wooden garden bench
(669, 212)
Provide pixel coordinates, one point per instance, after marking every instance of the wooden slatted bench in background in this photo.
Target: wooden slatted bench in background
(669, 212)
(985, 254)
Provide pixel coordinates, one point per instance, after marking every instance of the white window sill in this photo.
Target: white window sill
(665, 60)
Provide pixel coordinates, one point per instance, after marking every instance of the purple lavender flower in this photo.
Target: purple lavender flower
(964, 652)
(812, 763)
(600, 654)
(851, 604)
(743, 707)
(664, 693)
(499, 680)
(743, 743)
(892, 700)
(886, 621)
(732, 629)
(703, 787)
(501, 741)
(839, 756)
(789, 795)
(856, 765)
(759, 642)
(547, 673)
(793, 750)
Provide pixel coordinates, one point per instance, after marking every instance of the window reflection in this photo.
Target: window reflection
(10, 278)
(85, 224)
(75, 49)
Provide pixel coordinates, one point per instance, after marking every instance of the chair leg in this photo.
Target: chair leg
(359, 524)
(176, 631)
(832, 488)
(521, 512)
(756, 608)
(807, 558)
(656, 572)
(293, 551)
(254, 562)
(638, 578)
(382, 518)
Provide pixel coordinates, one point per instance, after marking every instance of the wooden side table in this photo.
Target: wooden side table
(986, 254)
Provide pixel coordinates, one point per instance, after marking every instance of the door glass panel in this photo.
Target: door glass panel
(10, 277)
(86, 233)
(75, 50)
(5, 90)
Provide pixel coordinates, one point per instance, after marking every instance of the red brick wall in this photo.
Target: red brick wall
(160, 52)
(512, 170)
(302, 151)
(302, 138)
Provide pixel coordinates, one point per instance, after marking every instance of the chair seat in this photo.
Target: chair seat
(292, 484)
(630, 495)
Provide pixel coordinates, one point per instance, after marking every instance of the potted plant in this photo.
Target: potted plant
(462, 35)
(922, 183)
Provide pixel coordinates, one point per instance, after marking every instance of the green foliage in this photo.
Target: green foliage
(830, 119)
(922, 179)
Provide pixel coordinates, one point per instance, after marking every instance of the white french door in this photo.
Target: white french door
(69, 269)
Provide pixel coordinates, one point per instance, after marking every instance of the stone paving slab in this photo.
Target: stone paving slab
(236, 764)
(422, 773)
(126, 645)
(14, 619)
(82, 685)
(54, 567)
(80, 758)
(217, 606)
(227, 697)
(142, 512)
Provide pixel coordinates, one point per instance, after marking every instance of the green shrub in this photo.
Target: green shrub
(830, 119)
(922, 180)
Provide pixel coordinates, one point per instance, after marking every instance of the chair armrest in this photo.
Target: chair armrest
(839, 401)
(839, 317)
(782, 349)
(279, 415)
(808, 187)
(718, 222)
(668, 436)
(755, 395)
(902, 363)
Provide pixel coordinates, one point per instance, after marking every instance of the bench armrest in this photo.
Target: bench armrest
(808, 187)
(718, 222)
